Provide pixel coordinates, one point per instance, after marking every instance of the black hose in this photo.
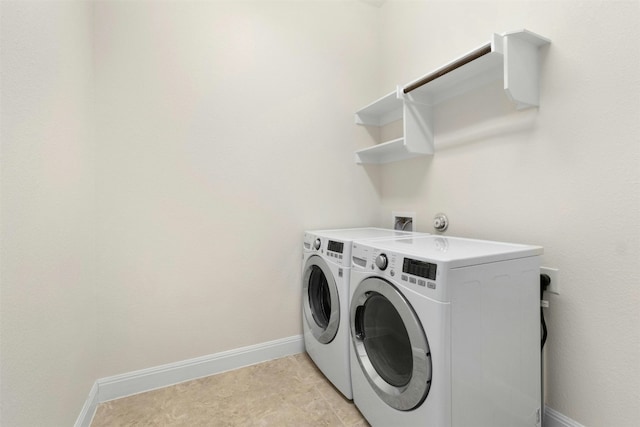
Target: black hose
(545, 281)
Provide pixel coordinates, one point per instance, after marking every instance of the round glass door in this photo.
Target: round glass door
(390, 344)
(321, 305)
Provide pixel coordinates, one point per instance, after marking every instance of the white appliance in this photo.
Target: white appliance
(445, 332)
(325, 298)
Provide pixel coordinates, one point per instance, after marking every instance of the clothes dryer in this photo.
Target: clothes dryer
(325, 298)
(445, 332)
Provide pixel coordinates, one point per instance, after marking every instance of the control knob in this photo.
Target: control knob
(316, 244)
(381, 261)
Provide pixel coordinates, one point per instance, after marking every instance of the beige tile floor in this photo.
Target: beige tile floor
(289, 391)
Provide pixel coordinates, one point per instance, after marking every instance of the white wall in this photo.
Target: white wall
(221, 132)
(47, 240)
(566, 176)
(224, 130)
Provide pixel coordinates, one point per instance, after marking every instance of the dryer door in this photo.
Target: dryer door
(320, 303)
(390, 344)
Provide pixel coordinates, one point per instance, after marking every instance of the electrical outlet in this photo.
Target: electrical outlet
(554, 275)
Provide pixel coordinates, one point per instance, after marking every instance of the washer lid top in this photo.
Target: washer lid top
(455, 251)
(351, 234)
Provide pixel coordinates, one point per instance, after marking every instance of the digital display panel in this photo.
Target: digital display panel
(419, 268)
(335, 246)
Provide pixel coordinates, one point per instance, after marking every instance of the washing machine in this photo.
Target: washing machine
(325, 294)
(445, 332)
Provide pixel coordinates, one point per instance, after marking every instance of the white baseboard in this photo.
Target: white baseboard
(89, 408)
(149, 379)
(553, 418)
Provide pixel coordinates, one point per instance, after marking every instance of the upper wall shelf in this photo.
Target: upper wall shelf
(511, 57)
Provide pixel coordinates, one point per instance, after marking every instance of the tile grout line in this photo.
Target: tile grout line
(318, 392)
(333, 409)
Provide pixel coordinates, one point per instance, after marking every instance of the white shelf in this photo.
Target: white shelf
(386, 152)
(511, 57)
(381, 112)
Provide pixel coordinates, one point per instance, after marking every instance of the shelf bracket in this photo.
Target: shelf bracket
(521, 67)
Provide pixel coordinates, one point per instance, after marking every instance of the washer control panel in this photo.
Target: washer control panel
(332, 250)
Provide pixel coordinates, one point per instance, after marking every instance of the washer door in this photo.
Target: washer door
(390, 344)
(320, 302)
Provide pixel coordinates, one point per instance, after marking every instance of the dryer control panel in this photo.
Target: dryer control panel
(420, 275)
(419, 268)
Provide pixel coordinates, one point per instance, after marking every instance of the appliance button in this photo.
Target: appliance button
(381, 262)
